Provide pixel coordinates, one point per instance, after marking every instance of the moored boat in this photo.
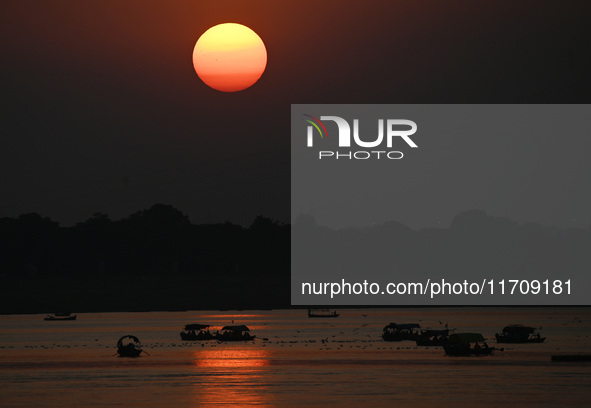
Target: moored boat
(399, 332)
(235, 333)
(518, 333)
(431, 337)
(196, 331)
(60, 317)
(468, 344)
(570, 358)
(322, 313)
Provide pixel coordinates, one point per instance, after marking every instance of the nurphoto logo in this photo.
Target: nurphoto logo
(388, 130)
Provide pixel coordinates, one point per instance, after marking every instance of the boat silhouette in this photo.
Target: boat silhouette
(129, 346)
(322, 313)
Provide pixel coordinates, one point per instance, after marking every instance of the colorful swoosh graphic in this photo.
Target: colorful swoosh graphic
(315, 123)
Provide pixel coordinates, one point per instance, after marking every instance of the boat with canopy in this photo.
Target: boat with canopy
(235, 333)
(399, 332)
(518, 333)
(196, 331)
(468, 344)
(432, 337)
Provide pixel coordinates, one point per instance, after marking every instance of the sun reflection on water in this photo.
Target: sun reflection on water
(232, 376)
(231, 358)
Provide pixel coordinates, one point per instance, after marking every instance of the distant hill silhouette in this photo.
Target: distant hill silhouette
(475, 244)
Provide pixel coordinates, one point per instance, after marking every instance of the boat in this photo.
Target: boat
(196, 331)
(322, 313)
(60, 317)
(431, 337)
(235, 333)
(518, 333)
(468, 344)
(571, 358)
(129, 346)
(399, 332)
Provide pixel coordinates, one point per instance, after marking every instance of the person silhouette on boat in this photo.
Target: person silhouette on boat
(477, 348)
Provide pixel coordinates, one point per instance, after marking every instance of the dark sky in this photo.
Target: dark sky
(103, 112)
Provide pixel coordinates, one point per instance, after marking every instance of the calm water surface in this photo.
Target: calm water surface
(295, 361)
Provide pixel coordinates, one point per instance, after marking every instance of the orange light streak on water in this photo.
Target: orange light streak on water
(236, 376)
(231, 358)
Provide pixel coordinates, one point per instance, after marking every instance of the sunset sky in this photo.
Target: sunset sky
(103, 111)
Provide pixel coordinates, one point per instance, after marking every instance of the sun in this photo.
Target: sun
(229, 57)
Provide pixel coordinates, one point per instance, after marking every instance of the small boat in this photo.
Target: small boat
(518, 333)
(196, 331)
(322, 313)
(460, 344)
(433, 337)
(129, 346)
(60, 317)
(235, 333)
(399, 332)
(571, 358)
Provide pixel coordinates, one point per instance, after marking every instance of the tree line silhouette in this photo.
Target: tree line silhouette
(155, 259)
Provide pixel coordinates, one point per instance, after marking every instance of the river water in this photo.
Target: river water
(295, 361)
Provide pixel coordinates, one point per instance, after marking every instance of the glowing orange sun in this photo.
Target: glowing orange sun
(229, 57)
